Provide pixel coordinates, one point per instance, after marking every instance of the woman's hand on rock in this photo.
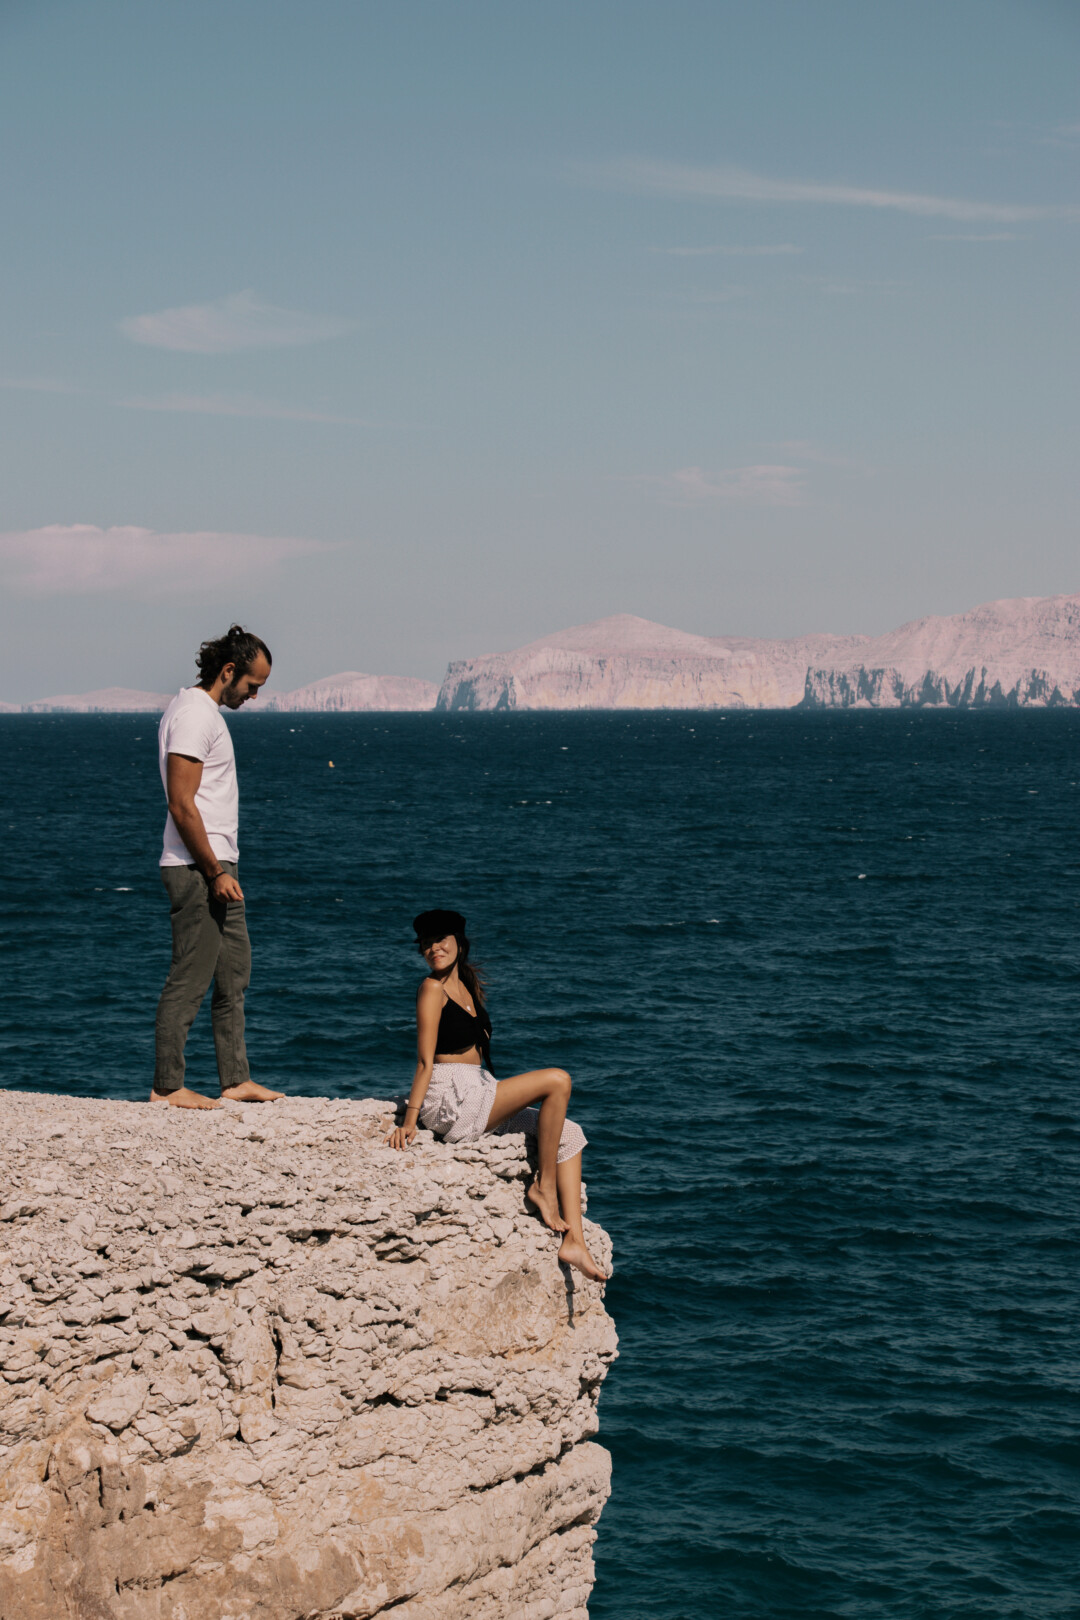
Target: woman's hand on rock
(401, 1136)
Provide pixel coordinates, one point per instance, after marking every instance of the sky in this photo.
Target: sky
(412, 330)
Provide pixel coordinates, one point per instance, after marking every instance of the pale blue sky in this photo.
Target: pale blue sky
(484, 319)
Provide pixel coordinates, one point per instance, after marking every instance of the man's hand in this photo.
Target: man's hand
(224, 887)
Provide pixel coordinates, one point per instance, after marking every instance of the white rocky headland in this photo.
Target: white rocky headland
(354, 693)
(254, 1365)
(1019, 653)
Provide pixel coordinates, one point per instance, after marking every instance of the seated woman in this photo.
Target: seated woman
(454, 1093)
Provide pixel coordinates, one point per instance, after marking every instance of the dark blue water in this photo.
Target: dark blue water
(817, 979)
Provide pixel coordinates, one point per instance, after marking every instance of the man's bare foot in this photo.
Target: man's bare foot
(573, 1253)
(250, 1091)
(548, 1205)
(183, 1098)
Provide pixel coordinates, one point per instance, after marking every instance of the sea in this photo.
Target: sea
(817, 979)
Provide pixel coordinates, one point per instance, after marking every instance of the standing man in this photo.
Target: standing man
(198, 868)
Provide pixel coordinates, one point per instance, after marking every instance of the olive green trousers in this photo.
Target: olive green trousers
(210, 945)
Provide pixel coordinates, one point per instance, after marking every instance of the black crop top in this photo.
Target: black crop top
(459, 1030)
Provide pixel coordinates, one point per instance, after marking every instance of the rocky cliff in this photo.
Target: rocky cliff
(348, 692)
(630, 663)
(110, 700)
(1021, 651)
(1024, 651)
(353, 691)
(254, 1365)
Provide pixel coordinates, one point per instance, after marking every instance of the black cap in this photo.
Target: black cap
(432, 925)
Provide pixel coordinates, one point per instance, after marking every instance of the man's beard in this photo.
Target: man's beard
(231, 696)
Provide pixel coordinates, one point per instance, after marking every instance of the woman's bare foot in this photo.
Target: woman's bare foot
(250, 1091)
(573, 1252)
(183, 1098)
(548, 1205)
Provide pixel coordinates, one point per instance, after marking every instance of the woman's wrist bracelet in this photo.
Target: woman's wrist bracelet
(413, 1108)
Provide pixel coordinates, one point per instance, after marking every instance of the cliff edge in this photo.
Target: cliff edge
(629, 663)
(254, 1365)
(1019, 653)
(352, 693)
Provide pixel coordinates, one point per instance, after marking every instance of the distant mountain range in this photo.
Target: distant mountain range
(1022, 652)
(350, 692)
(630, 663)
(353, 692)
(110, 700)
(1025, 651)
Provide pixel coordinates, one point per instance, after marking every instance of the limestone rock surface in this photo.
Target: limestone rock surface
(1021, 652)
(625, 662)
(110, 700)
(353, 692)
(255, 1365)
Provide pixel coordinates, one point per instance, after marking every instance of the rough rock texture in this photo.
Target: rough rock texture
(1025, 651)
(630, 663)
(254, 1365)
(352, 691)
(1019, 652)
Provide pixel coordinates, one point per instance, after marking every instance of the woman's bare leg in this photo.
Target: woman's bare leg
(551, 1088)
(574, 1250)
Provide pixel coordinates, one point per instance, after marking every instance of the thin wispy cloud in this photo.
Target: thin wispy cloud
(242, 405)
(806, 450)
(1067, 135)
(237, 405)
(856, 288)
(760, 485)
(241, 321)
(719, 295)
(725, 183)
(976, 236)
(40, 385)
(731, 251)
(82, 559)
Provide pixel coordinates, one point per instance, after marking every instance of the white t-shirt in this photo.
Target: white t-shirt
(194, 725)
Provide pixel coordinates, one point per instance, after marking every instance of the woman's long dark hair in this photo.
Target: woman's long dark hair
(470, 974)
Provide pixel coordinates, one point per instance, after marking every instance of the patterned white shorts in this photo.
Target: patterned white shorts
(458, 1105)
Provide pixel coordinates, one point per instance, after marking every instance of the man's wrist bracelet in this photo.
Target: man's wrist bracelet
(216, 875)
